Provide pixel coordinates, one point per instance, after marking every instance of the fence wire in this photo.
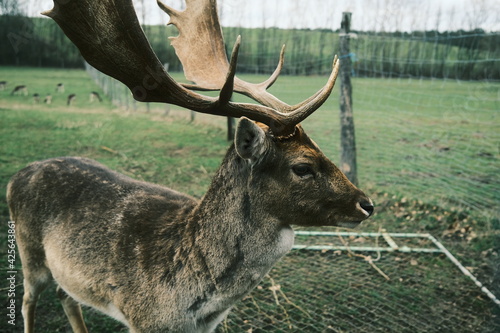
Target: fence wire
(345, 291)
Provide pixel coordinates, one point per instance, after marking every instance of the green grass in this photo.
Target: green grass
(433, 141)
(427, 151)
(144, 146)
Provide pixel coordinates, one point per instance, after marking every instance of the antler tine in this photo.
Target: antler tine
(264, 85)
(270, 81)
(169, 10)
(258, 91)
(227, 90)
(313, 103)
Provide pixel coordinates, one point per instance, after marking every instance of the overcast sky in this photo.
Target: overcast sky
(379, 15)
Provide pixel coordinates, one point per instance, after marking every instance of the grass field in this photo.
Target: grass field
(428, 153)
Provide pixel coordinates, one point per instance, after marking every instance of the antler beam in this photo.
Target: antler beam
(109, 37)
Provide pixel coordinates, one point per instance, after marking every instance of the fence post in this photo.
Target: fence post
(230, 128)
(347, 138)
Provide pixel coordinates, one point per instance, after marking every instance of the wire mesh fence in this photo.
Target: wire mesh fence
(117, 92)
(425, 136)
(346, 291)
(443, 136)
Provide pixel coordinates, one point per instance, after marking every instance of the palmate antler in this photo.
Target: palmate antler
(110, 38)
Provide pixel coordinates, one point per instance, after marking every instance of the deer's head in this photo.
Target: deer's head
(293, 181)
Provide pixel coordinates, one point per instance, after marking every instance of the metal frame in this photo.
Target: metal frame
(393, 247)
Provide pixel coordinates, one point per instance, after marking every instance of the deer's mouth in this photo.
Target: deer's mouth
(349, 225)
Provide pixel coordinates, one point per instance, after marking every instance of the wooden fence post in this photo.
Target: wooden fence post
(230, 128)
(347, 138)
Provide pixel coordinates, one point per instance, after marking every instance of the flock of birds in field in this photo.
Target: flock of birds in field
(23, 90)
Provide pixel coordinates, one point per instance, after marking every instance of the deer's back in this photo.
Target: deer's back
(78, 189)
(78, 205)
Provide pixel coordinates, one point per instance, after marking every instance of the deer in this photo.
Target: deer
(71, 99)
(94, 95)
(20, 89)
(60, 87)
(151, 257)
(48, 99)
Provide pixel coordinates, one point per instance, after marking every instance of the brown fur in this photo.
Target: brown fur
(159, 260)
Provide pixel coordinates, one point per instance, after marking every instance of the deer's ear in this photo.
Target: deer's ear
(249, 139)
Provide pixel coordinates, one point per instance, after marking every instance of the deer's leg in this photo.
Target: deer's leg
(73, 311)
(29, 303)
(34, 284)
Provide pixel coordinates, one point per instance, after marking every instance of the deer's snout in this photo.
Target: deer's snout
(366, 205)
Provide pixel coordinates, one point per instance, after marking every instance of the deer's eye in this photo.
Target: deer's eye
(303, 170)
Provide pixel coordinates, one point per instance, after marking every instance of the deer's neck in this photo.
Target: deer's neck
(234, 237)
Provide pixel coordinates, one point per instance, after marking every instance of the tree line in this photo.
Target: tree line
(465, 55)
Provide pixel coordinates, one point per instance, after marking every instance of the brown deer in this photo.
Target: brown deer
(153, 258)
(60, 87)
(36, 98)
(48, 99)
(71, 99)
(94, 95)
(18, 90)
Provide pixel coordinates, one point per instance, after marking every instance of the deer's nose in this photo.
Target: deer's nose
(367, 206)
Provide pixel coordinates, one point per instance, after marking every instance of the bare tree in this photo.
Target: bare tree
(451, 18)
(438, 19)
(478, 14)
(10, 7)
